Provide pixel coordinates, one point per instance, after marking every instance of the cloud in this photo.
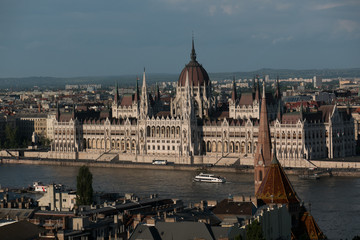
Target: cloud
(212, 10)
(348, 26)
(282, 39)
(328, 6)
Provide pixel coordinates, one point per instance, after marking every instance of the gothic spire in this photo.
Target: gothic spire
(262, 159)
(233, 95)
(193, 53)
(277, 90)
(116, 97)
(137, 92)
(257, 89)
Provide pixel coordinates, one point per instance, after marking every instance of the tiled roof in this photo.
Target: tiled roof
(276, 187)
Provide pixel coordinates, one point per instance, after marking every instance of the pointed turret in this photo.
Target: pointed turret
(254, 86)
(262, 157)
(233, 95)
(277, 90)
(137, 92)
(279, 111)
(257, 90)
(116, 97)
(57, 112)
(73, 112)
(157, 94)
(144, 101)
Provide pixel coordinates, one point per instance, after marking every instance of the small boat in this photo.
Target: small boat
(202, 177)
(313, 176)
(39, 187)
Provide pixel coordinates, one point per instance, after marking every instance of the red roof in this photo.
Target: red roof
(276, 187)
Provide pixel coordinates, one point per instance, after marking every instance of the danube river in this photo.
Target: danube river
(334, 200)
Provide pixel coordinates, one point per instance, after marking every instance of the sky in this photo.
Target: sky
(68, 38)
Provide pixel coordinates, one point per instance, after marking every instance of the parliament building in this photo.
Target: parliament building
(192, 127)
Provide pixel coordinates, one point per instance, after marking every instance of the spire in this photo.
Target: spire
(262, 159)
(57, 111)
(301, 110)
(263, 94)
(193, 53)
(137, 92)
(144, 80)
(157, 94)
(279, 111)
(233, 95)
(254, 83)
(274, 160)
(277, 90)
(116, 97)
(144, 105)
(257, 89)
(73, 112)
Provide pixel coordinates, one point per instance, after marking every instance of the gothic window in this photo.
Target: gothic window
(148, 131)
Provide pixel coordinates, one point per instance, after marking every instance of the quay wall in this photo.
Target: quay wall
(247, 170)
(340, 167)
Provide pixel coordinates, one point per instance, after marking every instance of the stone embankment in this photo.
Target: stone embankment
(344, 172)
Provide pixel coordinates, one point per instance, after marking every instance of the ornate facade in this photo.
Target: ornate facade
(192, 129)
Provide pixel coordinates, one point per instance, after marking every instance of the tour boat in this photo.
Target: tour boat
(39, 187)
(202, 177)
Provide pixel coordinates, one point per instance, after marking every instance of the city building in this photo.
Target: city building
(193, 128)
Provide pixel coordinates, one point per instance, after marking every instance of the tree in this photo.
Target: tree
(12, 137)
(84, 190)
(254, 231)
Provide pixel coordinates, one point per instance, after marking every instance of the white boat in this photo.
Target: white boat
(39, 187)
(202, 177)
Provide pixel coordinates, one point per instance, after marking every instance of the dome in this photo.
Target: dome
(197, 74)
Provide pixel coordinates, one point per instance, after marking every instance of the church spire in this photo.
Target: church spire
(262, 159)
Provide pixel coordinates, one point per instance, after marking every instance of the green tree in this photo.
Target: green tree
(254, 231)
(12, 137)
(84, 190)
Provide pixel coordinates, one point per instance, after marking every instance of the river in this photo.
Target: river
(334, 200)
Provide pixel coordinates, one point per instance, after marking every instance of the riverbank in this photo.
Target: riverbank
(337, 172)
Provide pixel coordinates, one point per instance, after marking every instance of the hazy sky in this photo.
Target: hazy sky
(116, 37)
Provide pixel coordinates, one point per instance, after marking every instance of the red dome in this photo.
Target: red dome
(197, 74)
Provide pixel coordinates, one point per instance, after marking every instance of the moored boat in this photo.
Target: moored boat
(203, 177)
(39, 187)
(313, 176)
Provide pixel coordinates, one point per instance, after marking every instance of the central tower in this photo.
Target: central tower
(200, 88)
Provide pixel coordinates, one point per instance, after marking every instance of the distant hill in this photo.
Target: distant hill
(130, 80)
(289, 73)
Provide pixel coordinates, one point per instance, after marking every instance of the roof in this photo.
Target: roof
(310, 226)
(276, 187)
(246, 99)
(14, 213)
(127, 100)
(291, 117)
(174, 231)
(20, 230)
(229, 207)
(197, 74)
